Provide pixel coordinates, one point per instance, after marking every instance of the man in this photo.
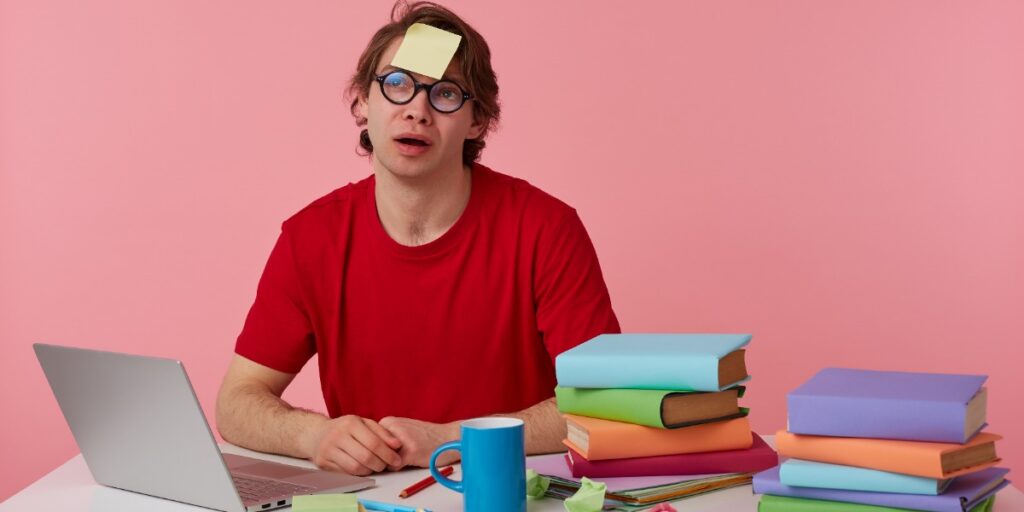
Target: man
(433, 291)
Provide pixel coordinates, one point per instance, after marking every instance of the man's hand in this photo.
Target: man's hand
(419, 439)
(354, 445)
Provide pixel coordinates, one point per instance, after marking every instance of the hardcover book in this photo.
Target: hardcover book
(771, 503)
(919, 458)
(806, 473)
(889, 405)
(653, 408)
(964, 493)
(597, 439)
(758, 457)
(682, 362)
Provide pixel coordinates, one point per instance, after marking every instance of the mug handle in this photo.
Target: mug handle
(455, 485)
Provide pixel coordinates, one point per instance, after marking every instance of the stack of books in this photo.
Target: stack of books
(863, 440)
(658, 404)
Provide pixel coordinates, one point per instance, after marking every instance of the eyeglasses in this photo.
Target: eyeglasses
(444, 95)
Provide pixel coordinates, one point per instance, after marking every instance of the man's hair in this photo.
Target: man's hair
(473, 57)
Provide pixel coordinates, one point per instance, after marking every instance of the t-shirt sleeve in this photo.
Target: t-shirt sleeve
(277, 331)
(572, 299)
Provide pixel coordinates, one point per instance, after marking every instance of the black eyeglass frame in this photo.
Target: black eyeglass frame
(416, 90)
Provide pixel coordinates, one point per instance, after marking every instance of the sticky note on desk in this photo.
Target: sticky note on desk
(426, 50)
(325, 503)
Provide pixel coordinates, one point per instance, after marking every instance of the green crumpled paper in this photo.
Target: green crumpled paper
(536, 484)
(590, 497)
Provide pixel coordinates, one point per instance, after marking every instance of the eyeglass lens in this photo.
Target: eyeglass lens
(444, 95)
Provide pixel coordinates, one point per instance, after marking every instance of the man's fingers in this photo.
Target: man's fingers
(355, 449)
(347, 463)
(377, 445)
(392, 441)
(384, 434)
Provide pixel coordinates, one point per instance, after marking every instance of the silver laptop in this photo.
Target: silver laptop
(140, 428)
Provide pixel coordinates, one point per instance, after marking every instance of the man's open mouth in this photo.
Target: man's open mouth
(413, 142)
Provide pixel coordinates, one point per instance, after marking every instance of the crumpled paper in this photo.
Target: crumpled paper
(536, 484)
(590, 497)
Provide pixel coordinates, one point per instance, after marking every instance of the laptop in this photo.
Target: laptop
(140, 428)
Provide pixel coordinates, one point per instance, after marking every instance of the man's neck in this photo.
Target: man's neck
(418, 211)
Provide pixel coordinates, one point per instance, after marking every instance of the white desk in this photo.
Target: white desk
(70, 488)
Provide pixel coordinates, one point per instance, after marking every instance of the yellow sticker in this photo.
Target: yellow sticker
(426, 50)
(325, 503)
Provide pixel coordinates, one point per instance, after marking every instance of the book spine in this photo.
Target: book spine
(854, 452)
(640, 407)
(876, 418)
(646, 371)
(624, 440)
(740, 461)
(767, 482)
(800, 473)
(769, 503)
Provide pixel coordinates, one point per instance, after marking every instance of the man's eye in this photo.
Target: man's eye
(449, 92)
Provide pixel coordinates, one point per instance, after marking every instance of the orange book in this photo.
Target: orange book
(919, 458)
(597, 439)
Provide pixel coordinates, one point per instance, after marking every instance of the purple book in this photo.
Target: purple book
(845, 402)
(965, 492)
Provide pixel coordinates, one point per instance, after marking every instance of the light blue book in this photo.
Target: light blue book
(804, 473)
(684, 362)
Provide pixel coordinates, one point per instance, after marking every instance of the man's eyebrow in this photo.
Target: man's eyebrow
(455, 78)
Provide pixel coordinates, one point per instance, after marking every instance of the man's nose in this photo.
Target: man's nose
(418, 110)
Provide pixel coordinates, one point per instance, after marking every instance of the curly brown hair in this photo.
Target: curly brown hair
(473, 57)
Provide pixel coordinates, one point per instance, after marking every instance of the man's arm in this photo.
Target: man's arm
(545, 427)
(251, 413)
(543, 433)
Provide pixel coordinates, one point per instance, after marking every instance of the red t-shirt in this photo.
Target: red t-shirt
(464, 326)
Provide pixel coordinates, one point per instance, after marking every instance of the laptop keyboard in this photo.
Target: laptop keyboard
(259, 489)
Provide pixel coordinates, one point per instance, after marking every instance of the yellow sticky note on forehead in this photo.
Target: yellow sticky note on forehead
(426, 50)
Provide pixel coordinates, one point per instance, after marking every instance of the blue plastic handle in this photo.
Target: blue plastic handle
(455, 485)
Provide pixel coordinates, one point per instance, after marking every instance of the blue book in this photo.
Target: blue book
(805, 473)
(964, 493)
(684, 362)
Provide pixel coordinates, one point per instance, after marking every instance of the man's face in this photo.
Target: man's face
(390, 126)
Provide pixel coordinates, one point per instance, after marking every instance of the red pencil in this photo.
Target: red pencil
(426, 482)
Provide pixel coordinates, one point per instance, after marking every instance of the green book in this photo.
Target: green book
(652, 407)
(771, 503)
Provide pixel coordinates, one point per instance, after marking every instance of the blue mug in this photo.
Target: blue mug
(493, 465)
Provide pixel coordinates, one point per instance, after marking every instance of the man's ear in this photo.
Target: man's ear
(477, 128)
(361, 107)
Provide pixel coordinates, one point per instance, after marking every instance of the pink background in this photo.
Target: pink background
(845, 180)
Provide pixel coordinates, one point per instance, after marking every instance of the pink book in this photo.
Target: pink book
(758, 457)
